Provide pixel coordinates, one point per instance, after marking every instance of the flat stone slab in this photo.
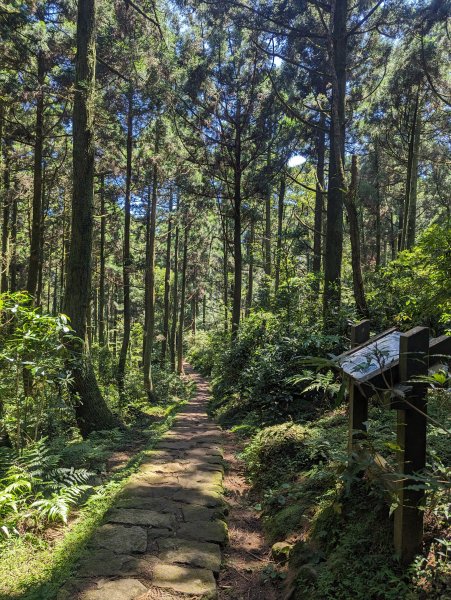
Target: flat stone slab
(161, 505)
(190, 496)
(120, 539)
(204, 531)
(184, 579)
(196, 512)
(119, 589)
(137, 516)
(105, 563)
(189, 552)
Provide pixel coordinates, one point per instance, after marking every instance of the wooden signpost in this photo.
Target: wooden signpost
(392, 362)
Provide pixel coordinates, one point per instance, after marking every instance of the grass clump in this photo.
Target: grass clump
(276, 453)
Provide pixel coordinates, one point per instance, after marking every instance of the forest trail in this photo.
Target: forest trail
(163, 538)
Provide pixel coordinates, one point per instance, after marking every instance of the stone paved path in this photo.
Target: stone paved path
(163, 538)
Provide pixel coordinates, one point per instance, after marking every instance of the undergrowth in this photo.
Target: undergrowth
(330, 513)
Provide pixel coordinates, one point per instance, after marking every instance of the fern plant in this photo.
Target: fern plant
(34, 486)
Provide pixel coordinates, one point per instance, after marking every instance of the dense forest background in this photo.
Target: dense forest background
(234, 179)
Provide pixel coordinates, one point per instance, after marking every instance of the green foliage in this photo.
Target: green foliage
(32, 350)
(414, 288)
(254, 379)
(34, 486)
(276, 454)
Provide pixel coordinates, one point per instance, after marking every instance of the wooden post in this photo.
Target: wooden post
(411, 438)
(358, 402)
(360, 333)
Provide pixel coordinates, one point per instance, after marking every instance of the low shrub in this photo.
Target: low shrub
(276, 454)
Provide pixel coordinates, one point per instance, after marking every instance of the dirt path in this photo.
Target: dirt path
(247, 563)
(163, 538)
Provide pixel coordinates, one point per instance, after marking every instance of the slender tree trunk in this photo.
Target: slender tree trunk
(204, 311)
(44, 209)
(412, 220)
(167, 285)
(280, 212)
(319, 203)
(378, 205)
(182, 301)
(6, 216)
(101, 302)
(90, 408)
(193, 316)
(267, 244)
(250, 281)
(410, 173)
(173, 340)
(149, 333)
(146, 270)
(357, 278)
(126, 260)
(13, 252)
(237, 250)
(225, 271)
(336, 185)
(36, 229)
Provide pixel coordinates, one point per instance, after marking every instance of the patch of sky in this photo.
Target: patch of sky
(296, 160)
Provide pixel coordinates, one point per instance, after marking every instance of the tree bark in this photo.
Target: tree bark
(6, 216)
(36, 229)
(336, 184)
(237, 250)
(182, 301)
(91, 410)
(225, 273)
(357, 278)
(250, 281)
(150, 278)
(101, 302)
(412, 220)
(267, 244)
(378, 204)
(13, 252)
(126, 259)
(167, 285)
(410, 175)
(173, 340)
(319, 204)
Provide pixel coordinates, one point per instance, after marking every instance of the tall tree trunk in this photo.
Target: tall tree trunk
(167, 285)
(250, 281)
(319, 203)
(182, 301)
(225, 273)
(146, 269)
(267, 244)
(13, 263)
(280, 213)
(101, 302)
(4, 267)
(336, 185)
(204, 310)
(149, 333)
(378, 204)
(91, 410)
(410, 172)
(357, 278)
(173, 340)
(412, 220)
(44, 209)
(126, 260)
(237, 250)
(36, 229)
